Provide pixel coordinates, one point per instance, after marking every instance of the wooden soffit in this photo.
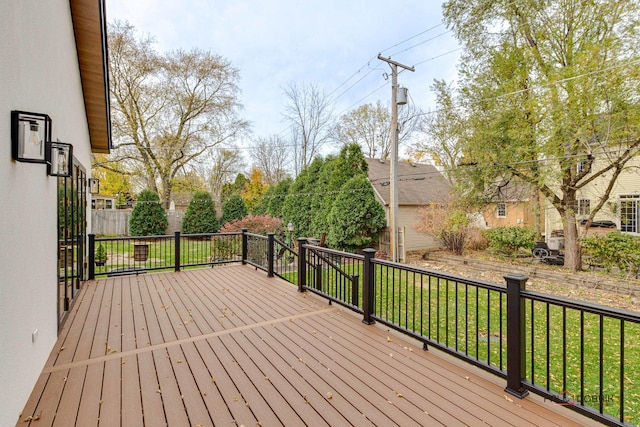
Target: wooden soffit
(90, 29)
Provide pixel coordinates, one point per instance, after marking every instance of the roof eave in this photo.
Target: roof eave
(90, 30)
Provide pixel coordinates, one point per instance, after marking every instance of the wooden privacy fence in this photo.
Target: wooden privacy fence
(106, 222)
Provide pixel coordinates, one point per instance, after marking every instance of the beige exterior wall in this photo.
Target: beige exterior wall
(39, 74)
(415, 240)
(517, 214)
(627, 183)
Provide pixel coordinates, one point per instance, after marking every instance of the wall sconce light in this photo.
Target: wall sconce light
(59, 158)
(94, 185)
(29, 133)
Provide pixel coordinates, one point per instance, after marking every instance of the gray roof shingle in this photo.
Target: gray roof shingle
(418, 184)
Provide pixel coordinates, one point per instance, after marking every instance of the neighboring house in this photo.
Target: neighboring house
(418, 185)
(512, 205)
(622, 209)
(52, 63)
(100, 202)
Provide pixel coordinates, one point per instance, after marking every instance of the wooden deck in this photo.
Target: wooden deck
(227, 346)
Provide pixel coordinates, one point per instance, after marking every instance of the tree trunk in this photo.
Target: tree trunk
(572, 252)
(537, 218)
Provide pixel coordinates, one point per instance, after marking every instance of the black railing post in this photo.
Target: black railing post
(516, 349)
(302, 264)
(91, 259)
(177, 250)
(318, 274)
(355, 280)
(368, 289)
(245, 245)
(270, 251)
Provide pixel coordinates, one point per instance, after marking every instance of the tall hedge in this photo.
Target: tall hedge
(234, 208)
(200, 216)
(356, 217)
(148, 218)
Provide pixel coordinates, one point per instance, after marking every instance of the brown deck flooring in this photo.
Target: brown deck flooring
(228, 346)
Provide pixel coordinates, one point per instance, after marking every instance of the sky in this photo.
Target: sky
(330, 43)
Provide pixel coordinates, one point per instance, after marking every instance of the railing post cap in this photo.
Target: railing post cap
(369, 251)
(513, 277)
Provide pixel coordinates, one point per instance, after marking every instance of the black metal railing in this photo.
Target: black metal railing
(334, 275)
(135, 255)
(582, 356)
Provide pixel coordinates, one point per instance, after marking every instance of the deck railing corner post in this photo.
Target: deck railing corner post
(368, 292)
(91, 249)
(516, 333)
(177, 251)
(271, 239)
(302, 264)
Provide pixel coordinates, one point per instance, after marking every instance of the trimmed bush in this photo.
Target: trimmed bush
(233, 208)
(148, 218)
(509, 240)
(200, 216)
(614, 249)
(356, 217)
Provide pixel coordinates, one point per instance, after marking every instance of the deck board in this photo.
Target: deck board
(227, 345)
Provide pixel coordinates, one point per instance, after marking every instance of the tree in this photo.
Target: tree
(235, 187)
(233, 209)
(188, 182)
(224, 165)
(254, 189)
(369, 126)
(200, 216)
(271, 155)
(445, 129)
(272, 201)
(114, 181)
(168, 109)
(308, 112)
(356, 216)
(148, 218)
(447, 221)
(301, 203)
(548, 96)
(336, 172)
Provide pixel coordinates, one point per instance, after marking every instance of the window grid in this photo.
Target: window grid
(629, 214)
(501, 210)
(584, 207)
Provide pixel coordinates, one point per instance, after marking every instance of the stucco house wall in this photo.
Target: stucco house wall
(39, 73)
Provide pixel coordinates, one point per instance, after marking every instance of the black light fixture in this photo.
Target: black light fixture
(29, 134)
(94, 185)
(59, 158)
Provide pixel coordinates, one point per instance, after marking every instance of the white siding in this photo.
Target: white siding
(627, 183)
(38, 73)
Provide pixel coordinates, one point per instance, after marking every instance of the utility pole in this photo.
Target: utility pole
(393, 202)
